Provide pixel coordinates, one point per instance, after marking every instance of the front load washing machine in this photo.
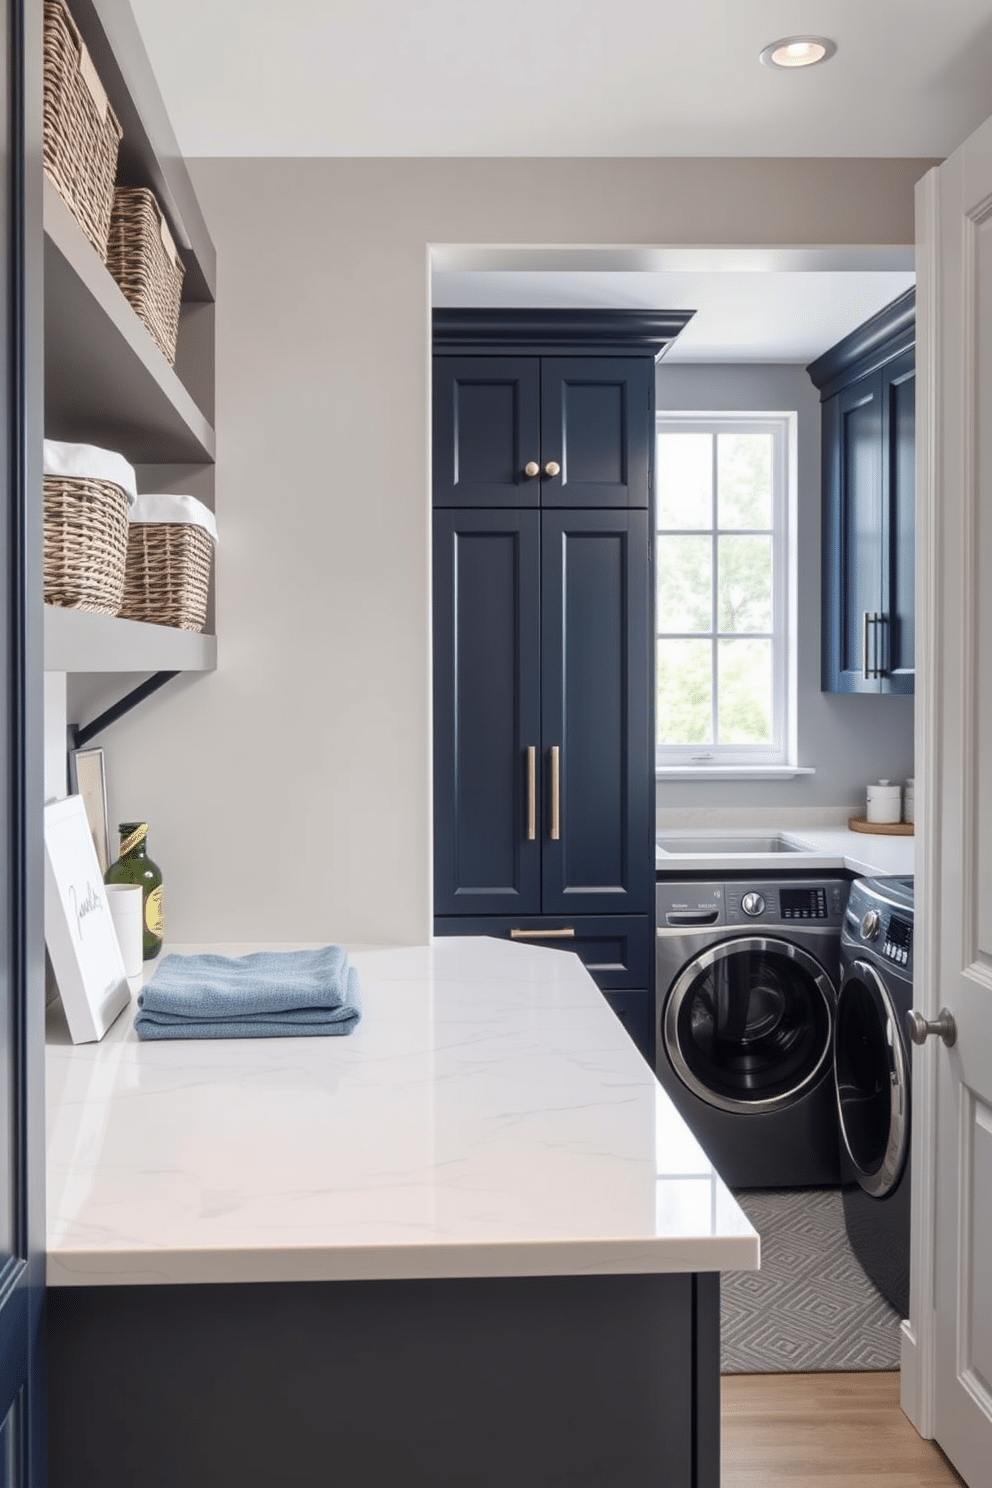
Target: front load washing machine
(747, 975)
(873, 1066)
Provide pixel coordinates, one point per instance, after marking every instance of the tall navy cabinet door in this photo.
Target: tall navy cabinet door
(853, 484)
(596, 627)
(487, 712)
(897, 648)
(487, 429)
(597, 426)
(22, 1113)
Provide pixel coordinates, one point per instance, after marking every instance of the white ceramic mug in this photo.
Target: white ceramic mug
(127, 912)
(909, 801)
(884, 802)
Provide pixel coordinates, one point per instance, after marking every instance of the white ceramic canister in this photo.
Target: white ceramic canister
(908, 800)
(884, 802)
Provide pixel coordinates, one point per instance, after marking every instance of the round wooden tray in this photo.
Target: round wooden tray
(881, 829)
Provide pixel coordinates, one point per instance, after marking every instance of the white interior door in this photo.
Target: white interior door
(953, 1144)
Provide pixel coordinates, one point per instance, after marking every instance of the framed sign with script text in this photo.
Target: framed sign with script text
(79, 932)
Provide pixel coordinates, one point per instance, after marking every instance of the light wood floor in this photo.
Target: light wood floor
(823, 1431)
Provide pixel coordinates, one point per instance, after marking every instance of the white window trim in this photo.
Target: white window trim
(734, 761)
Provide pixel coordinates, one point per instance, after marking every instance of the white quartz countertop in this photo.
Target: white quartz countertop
(488, 1116)
(869, 855)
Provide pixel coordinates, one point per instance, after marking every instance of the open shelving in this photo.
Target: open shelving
(76, 641)
(106, 380)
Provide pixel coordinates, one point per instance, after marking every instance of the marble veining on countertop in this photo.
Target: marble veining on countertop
(488, 1116)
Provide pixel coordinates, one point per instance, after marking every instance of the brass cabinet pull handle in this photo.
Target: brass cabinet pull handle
(552, 468)
(555, 792)
(531, 792)
(532, 468)
(567, 932)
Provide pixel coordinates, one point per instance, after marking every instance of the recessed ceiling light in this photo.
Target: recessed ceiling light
(798, 51)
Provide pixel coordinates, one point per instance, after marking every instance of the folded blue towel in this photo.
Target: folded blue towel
(268, 994)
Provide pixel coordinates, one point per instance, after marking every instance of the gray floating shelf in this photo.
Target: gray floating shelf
(106, 381)
(150, 154)
(76, 641)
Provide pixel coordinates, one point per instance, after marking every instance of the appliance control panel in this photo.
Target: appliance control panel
(879, 921)
(898, 943)
(688, 905)
(781, 901)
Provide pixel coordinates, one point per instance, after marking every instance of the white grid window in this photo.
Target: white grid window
(722, 603)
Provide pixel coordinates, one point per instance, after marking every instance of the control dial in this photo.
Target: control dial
(871, 923)
(752, 904)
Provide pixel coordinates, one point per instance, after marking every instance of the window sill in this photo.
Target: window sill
(731, 772)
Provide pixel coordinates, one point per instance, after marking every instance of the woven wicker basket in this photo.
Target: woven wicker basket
(143, 259)
(86, 542)
(167, 577)
(81, 132)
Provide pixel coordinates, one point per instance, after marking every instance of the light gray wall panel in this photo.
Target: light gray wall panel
(289, 793)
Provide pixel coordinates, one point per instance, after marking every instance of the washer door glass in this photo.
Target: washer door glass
(748, 1023)
(870, 1070)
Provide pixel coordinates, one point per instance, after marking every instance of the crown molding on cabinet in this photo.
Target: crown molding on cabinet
(878, 340)
(557, 332)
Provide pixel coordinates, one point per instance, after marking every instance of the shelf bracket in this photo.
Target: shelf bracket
(81, 735)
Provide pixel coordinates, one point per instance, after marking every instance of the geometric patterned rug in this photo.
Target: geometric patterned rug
(810, 1307)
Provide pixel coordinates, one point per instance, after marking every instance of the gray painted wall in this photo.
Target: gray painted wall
(289, 792)
(847, 740)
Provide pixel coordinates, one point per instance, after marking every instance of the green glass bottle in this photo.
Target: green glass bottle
(134, 866)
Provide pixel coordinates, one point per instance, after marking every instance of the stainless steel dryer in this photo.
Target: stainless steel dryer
(873, 1067)
(747, 976)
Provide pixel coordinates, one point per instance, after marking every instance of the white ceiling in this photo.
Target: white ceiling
(573, 77)
(740, 316)
(567, 77)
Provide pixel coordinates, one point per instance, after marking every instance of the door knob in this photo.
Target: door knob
(532, 468)
(920, 1028)
(552, 468)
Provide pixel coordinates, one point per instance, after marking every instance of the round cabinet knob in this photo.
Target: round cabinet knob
(870, 924)
(552, 468)
(942, 1027)
(532, 468)
(752, 904)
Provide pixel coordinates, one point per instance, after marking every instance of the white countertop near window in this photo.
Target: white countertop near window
(868, 855)
(488, 1116)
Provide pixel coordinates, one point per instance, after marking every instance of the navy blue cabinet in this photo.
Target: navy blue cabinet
(867, 390)
(543, 431)
(615, 949)
(488, 786)
(542, 713)
(543, 605)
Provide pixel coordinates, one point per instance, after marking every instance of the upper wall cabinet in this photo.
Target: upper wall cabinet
(528, 426)
(542, 431)
(867, 390)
